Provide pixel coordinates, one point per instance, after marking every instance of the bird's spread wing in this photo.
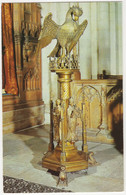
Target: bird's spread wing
(55, 51)
(48, 32)
(79, 32)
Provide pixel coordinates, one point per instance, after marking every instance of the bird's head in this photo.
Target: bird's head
(76, 12)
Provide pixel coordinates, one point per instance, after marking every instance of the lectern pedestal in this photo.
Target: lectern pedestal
(65, 156)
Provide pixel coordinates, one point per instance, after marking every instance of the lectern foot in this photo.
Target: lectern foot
(91, 159)
(62, 180)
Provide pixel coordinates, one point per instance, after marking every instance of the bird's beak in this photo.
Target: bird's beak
(75, 18)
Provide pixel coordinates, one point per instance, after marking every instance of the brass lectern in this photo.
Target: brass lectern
(65, 157)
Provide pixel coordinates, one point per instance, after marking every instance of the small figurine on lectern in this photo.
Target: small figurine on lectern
(72, 115)
(57, 121)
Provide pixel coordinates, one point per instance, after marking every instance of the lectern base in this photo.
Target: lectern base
(72, 159)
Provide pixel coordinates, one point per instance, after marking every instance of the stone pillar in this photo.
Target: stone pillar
(103, 37)
(94, 63)
(103, 126)
(85, 43)
(119, 45)
(112, 39)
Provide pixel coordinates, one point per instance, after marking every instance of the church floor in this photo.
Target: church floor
(22, 156)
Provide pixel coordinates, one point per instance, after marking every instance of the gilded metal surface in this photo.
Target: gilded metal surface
(91, 159)
(65, 91)
(72, 114)
(84, 132)
(57, 121)
(75, 160)
(64, 80)
(70, 62)
(67, 34)
(62, 181)
(65, 155)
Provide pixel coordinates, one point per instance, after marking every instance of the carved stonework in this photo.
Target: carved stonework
(89, 96)
(30, 34)
(89, 92)
(31, 80)
(27, 26)
(103, 100)
(103, 126)
(115, 92)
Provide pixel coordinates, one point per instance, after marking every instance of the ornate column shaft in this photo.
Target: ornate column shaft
(65, 155)
(64, 78)
(65, 93)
